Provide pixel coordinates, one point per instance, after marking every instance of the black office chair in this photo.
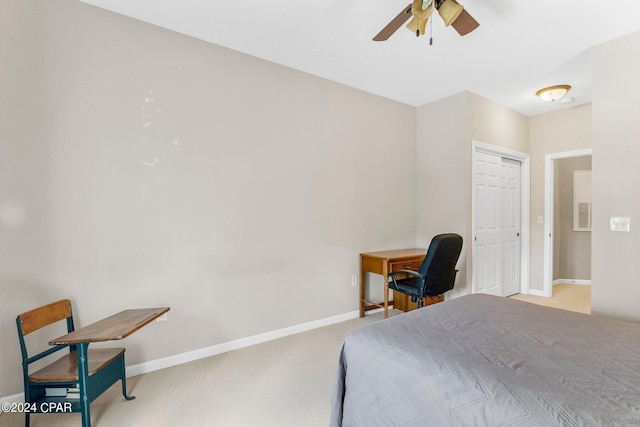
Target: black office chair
(436, 274)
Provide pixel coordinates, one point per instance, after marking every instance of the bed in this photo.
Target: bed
(480, 360)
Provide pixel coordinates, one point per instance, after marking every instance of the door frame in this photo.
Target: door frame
(547, 278)
(525, 202)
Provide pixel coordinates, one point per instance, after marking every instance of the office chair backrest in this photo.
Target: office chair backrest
(439, 265)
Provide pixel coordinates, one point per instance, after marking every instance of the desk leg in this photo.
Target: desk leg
(361, 289)
(83, 382)
(385, 275)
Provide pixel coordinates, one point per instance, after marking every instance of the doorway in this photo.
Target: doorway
(551, 234)
(500, 220)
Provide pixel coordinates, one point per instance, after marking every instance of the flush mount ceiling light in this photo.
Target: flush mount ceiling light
(553, 93)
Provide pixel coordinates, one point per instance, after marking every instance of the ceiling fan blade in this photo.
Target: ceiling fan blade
(465, 23)
(393, 26)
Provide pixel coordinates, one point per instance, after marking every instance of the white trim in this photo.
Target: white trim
(547, 278)
(571, 282)
(190, 356)
(537, 293)
(525, 206)
(14, 398)
(499, 151)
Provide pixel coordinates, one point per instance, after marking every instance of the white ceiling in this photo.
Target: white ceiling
(520, 46)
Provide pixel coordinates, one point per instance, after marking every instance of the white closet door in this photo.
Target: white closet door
(510, 227)
(496, 225)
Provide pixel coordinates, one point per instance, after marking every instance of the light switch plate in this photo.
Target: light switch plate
(620, 223)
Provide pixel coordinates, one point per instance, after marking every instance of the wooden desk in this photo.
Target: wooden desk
(383, 263)
(116, 327)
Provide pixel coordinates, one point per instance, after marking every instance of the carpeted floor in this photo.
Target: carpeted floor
(565, 296)
(285, 382)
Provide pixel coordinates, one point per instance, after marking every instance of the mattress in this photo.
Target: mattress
(480, 360)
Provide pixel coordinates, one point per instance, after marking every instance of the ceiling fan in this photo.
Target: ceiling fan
(451, 12)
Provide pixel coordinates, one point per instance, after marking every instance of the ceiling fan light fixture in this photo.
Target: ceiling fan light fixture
(449, 11)
(420, 17)
(553, 93)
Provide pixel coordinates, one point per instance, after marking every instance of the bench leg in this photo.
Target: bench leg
(83, 380)
(124, 382)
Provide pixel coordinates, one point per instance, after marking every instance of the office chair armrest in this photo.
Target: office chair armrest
(410, 272)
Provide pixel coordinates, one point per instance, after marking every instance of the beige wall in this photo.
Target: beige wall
(140, 167)
(446, 129)
(496, 125)
(550, 133)
(616, 150)
(573, 248)
(443, 161)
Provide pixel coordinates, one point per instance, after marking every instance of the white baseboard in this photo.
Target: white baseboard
(15, 398)
(540, 293)
(190, 356)
(571, 282)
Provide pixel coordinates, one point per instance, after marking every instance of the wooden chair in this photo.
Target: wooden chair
(106, 366)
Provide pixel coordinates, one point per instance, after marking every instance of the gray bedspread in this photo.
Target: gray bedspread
(480, 360)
